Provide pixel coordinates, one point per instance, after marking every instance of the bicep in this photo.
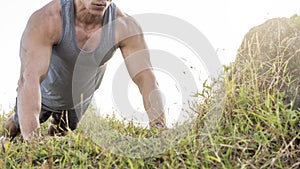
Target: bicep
(131, 42)
(137, 57)
(35, 51)
(35, 59)
(134, 50)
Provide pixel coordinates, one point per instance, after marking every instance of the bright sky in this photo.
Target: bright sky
(223, 22)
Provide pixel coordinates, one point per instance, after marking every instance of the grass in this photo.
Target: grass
(256, 129)
(253, 124)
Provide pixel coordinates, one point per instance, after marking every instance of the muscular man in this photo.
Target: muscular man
(64, 50)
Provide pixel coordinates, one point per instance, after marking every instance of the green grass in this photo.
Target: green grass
(250, 122)
(255, 130)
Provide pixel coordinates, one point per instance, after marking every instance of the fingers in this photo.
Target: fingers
(159, 122)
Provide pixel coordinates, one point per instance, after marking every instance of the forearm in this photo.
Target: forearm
(154, 105)
(29, 106)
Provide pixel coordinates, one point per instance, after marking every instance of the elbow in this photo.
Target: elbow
(138, 82)
(21, 82)
(27, 79)
(146, 84)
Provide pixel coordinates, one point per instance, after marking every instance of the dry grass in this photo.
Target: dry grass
(257, 127)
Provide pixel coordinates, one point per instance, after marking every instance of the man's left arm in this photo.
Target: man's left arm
(137, 60)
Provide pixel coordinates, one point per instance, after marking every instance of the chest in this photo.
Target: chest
(88, 40)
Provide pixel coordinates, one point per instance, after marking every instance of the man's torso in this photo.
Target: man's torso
(78, 59)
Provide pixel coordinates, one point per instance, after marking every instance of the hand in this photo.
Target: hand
(158, 123)
(4, 141)
(35, 135)
(10, 129)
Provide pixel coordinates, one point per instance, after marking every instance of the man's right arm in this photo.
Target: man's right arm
(35, 52)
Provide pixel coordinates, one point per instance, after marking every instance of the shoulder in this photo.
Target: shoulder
(125, 20)
(126, 26)
(46, 21)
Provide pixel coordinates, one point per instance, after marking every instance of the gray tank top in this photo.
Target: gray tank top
(75, 74)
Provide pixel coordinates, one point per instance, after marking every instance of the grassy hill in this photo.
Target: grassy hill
(255, 130)
(257, 126)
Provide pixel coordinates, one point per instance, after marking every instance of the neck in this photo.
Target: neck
(83, 16)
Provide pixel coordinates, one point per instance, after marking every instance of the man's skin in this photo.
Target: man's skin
(44, 30)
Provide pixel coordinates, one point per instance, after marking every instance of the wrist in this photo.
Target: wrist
(159, 122)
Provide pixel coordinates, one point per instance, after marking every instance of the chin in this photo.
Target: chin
(96, 13)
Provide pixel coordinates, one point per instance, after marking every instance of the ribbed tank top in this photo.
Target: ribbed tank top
(75, 74)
